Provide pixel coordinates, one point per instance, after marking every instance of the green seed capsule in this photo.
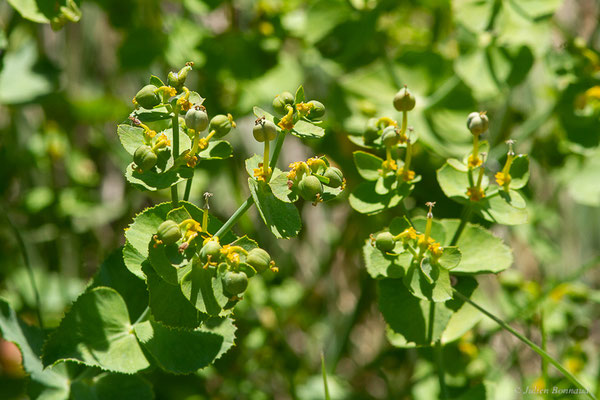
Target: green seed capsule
(213, 249)
(221, 124)
(310, 186)
(258, 259)
(264, 130)
(169, 232)
(317, 111)
(385, 241)
(336, 178)
(196, 119)
(477, 123)
(404, 100)
(144, 158)
(147, 97)
(235, 283)
(390, 136)
(281, 101)
(371, 132)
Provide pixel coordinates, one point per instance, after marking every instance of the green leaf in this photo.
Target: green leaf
(109, 386)
(408, 317)
(168, 304)
(145, 225)
(156, 81)
(504, 208)
(185, 352)
(368, 165)
(519, 171)
(20, 80)
(97, 332)
(366, 200)
(114, 274)
(454, 182)
(438, 232)
(252, 164)
(307, 130)
(259, 113)
(133, 260)
(299, 98)
(428, 281)
(450, 258)
(167, 261)
(216, 150)
(385, 265)
(281, 217)
(152, 180)
(50, 383)
(204, 289)
(279, 187)
(481, 251)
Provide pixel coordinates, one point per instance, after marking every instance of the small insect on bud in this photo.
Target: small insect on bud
(264, 130)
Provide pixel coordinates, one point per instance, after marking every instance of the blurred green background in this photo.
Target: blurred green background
(534, 65)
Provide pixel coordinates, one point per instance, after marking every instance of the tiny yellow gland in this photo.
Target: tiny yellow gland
(407, 175)
(259, 173)
(184, 104)
(474, 162)
(389, 165)
(408, 234)
(287, 122)
(304, 108)
(203, 143)
(475, 193)
(502, 179)
(436, 249)
(538, 385)
(386, 121)
(574, 365)
(468, 348)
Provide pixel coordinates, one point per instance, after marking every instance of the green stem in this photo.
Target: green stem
(431, 318)
(544, 362)
(36, 293)
(245, 206)
(461, 227)
(266, 160)
(547, 357)
(188, 188)
(142, 315)
(327, 397)
(439, 361)
(175, 126)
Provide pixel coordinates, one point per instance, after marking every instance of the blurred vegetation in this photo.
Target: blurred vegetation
(67, 77)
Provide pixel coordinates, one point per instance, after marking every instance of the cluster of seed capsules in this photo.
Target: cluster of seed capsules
(196, 121)
(307, 178)
(231, 261)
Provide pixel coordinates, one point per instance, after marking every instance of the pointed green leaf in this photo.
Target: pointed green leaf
(519, 171)
(365, 199)
(504, 208)
(156, 81)
(97, 332)
(185, 352)
(280, 188)
(299, 97)
(281, 217)
(428, 281)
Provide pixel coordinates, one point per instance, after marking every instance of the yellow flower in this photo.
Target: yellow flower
(259, 173)
(408, 234)
(304, 108)
(389, 165)
(287, 122)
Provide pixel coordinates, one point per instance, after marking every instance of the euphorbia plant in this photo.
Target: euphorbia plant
(165, 300)
(426, 268)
